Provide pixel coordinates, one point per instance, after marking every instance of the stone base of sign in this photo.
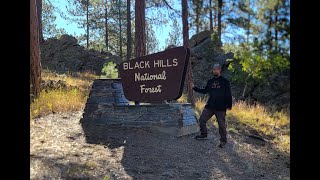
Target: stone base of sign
(107, 105)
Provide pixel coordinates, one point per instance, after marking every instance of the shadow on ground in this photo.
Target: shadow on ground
(152, 155)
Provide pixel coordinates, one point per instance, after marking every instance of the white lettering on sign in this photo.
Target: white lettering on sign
(137, 65)
(165, 63)
(145, 64)
(125, 66)
(175, 62)
(160, 63)
(149, 77)
(144, 89)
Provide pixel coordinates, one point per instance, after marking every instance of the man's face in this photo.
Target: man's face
(216, 71)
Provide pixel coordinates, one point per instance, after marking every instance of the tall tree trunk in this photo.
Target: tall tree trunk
(140, 28)
(35, 64)
(249, 23)
(276, 27)
(186, 44)
(211, 18)
(270, 38)
(106, 24)
(87, 6)
(215, 14)
(245, 86)
(120, 27)
(197, 16)
(219, 19)
(129, 40)
(39, 12)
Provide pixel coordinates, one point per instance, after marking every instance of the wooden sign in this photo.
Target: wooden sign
(156, 77)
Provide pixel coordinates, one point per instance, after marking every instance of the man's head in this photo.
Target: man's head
(216, 69)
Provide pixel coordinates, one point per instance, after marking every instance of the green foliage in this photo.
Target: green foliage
(254, 63)
(239, 21)
(109, 70)
(214, 37)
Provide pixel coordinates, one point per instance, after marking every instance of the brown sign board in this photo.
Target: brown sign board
(156, 77)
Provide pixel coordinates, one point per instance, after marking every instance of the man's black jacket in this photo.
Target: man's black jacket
(219, 92)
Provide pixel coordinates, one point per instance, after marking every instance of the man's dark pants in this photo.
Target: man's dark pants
(221, 118)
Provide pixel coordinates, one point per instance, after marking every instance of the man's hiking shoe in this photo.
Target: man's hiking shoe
(201, 136)
(222, 144)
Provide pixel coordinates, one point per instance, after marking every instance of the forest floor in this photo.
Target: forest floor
(61, 148)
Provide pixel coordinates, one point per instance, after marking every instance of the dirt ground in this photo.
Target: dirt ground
(63, 148)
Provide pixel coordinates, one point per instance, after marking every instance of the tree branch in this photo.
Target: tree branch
(167, 4)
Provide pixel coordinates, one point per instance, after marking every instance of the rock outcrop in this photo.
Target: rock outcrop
(205, 51)
(66, 55)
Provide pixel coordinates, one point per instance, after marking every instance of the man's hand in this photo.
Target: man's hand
(193, 87)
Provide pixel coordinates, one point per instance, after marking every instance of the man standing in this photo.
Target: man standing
(220, 100)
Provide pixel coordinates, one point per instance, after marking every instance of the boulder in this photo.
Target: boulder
(198, 38)
(66, 55)
(205, 51)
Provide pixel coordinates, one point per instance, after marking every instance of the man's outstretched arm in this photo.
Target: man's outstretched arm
(203, 91)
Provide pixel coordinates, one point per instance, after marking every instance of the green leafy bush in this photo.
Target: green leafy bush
(109, 70)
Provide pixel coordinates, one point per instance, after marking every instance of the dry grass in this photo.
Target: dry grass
(183, 98)
(62, 100)
(199, 105)
(276, 124)
(243, 117)
(81, 80)
(57, 101)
